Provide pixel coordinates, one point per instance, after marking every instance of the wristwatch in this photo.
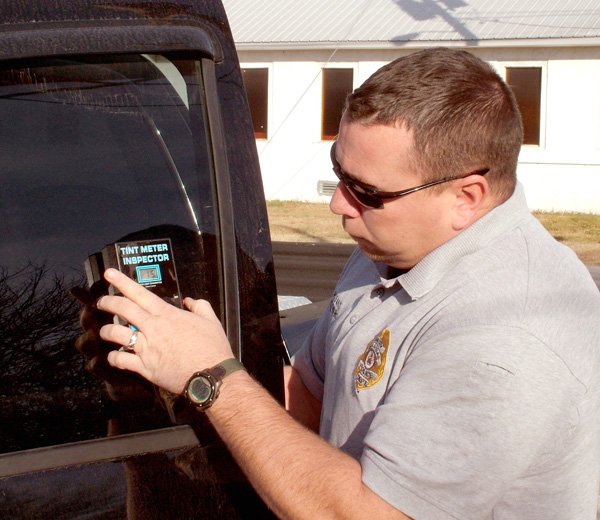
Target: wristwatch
(202, 389)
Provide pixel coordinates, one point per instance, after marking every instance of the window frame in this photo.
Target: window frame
(96, 450)
(269, 68)
(502, 67)
(156, 439)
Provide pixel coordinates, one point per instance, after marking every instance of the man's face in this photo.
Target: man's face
(405, 229)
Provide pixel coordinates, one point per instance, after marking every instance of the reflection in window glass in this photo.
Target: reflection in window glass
(172, 485)
(98, 150)
(337, 84)
(256, 82)
(526, 83)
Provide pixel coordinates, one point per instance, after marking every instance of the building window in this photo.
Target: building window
(256, 82)
(526, 83)
(337, 84)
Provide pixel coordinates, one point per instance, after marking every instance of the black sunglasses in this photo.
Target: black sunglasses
(374, 198)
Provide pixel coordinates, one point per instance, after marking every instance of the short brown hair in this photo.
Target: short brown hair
(462, 115)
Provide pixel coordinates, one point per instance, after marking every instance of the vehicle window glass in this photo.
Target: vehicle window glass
(168, 485)
(96, 150)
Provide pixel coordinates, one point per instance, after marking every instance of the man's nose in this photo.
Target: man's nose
(342, 203)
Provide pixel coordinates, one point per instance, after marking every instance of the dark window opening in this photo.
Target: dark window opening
(526, 83)
(337, 84)
(256, 82)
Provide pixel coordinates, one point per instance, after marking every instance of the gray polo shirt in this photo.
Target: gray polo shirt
(467, 387)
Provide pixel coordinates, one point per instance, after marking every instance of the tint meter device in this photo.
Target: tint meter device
(151, 263)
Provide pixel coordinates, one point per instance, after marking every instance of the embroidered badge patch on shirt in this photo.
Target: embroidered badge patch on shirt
(371, 365)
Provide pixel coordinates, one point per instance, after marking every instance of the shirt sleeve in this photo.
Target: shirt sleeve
(464, 418)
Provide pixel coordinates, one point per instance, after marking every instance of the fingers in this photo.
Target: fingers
(126, 309)
(122, 335)
(200, 307)
(127, 361)
(145, 299)
(135, 292)
(124, 359)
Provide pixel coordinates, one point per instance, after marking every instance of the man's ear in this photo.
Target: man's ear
(472, 201)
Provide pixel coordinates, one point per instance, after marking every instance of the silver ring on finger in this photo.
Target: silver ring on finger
(130, 347)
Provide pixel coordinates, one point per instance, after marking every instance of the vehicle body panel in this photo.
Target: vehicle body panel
(58, 425)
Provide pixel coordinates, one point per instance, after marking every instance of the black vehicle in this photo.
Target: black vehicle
(122, 122)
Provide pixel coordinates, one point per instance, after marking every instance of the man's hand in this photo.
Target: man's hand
(120, 386)
(172, 343)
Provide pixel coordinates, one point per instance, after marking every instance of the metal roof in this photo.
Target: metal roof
(269, 24)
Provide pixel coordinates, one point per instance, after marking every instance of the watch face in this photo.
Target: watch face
(200, 389)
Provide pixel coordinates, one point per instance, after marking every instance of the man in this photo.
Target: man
(455, 372)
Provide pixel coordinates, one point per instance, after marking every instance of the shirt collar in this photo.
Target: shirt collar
(385, 280)
(431, 269)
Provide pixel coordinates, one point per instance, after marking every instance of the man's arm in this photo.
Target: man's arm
(299, 402)
(295, 472)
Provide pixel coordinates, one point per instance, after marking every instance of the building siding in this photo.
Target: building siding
(561, 174)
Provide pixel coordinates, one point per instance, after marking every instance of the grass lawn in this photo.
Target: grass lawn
(313, 222)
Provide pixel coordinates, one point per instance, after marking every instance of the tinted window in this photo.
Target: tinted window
(95, 151)
(175, 484)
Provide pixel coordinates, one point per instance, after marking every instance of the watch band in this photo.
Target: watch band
(225, 368)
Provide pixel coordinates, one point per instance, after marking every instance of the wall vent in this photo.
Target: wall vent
(326, 187)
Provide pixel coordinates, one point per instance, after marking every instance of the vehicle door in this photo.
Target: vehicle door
(100, 149)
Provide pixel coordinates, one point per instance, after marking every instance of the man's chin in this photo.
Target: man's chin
(382, 259)
(376, 255)
(371, 252)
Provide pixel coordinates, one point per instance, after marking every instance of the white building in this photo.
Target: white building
(300, 58)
